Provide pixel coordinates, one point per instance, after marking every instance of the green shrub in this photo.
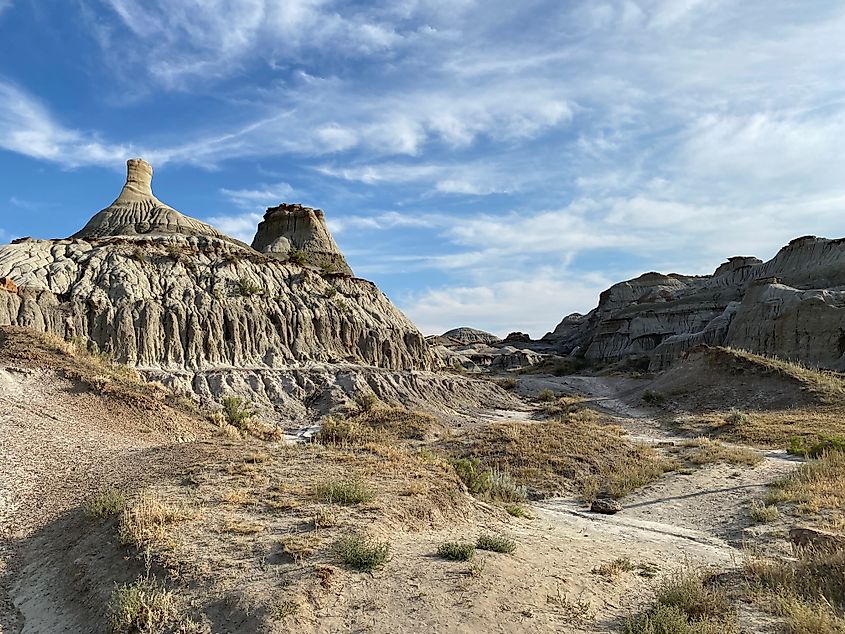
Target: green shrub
(297, 257)
(516, 510)
(496, 543)
(361, 553)
(546, 396)
(236, 411)
(456, 551)
(353, 491)
(143, 606)
(247, 287)
(824, 444)
(340, 431)
(665, 619)
(366, 401)
(106, 503)
(650, 397)
(473, 474)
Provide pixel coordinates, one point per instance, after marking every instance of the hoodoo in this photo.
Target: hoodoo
(287, 229)
(137, 211)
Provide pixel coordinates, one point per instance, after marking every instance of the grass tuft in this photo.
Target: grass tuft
(106, 503)
(142, 606)
(650, 397)
(361, 553)
(456, 551)
(496, 543)
(354, 491)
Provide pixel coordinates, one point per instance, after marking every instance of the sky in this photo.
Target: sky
(488, 163)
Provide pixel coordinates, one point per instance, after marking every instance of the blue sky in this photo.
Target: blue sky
(488, 163)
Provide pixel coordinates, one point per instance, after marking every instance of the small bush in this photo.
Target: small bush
(473, 474)
(650, 397)
(148, 519)
(496, 543)
(763, 513)
(456, 551)
(366, 401)
(297, 257)
(236, 411)
(353, 491)
(342, 432)
(615, 568)
(824, 444)
(546, 396)
(508, 383)
(735, 417)
(665, 619)
(361, 553)
(106, 503)
(504, 488)
(247, 287)
(516, 510)
(143, 606)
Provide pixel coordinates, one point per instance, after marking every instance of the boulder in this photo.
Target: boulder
(8, 285)
(820, 540)
(605, 506)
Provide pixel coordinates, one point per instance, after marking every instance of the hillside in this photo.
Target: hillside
(792, 307)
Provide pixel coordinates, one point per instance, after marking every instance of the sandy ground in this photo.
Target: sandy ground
(54, 457)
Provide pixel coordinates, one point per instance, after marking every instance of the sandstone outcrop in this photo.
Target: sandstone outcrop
(470, 335)
(160, 290)
(288, 231)
(792, 306)
(136, 211)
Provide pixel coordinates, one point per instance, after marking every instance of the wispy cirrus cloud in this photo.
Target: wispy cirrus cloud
(263, 196)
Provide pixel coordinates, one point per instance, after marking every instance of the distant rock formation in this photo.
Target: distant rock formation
(792, 306)
(470, 335)
(136, 211)
(288, 229)
(162, 291)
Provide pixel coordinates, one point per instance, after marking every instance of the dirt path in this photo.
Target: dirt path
(696, 516)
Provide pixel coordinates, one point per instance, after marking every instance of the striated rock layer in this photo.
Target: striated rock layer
(160, 290)
(287, 229)
(792, 306)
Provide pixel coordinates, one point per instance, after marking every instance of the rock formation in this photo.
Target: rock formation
(160, 290)
(288, 230)
(792, 306)
(470, 335)
(136, 211)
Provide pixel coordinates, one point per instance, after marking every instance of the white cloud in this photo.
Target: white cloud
(241, 226)
(266, 196)
(27, 128)
(534, 305)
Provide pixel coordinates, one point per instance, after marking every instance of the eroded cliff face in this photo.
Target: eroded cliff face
(791, 307)
(160, 290)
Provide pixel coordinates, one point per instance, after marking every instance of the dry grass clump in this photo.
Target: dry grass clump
(143, 606)
(701, 451)
(763, 513)
(108, 502)
(814, 486)
(489, 483)
(686, 604)
(615, 568)
(148, 520)
(550, 456)
(794, 428)
(546, 396)
(379, 423)
(807, 591)
(352, 491)
(237, 413)
(825, 383)
(243, 527)
(361, 553)
(507, 383)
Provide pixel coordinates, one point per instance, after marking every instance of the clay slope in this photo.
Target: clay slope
(790, 307)
(157, 289)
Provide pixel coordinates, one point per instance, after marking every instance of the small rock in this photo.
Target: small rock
(607, 506)
(803, 537)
